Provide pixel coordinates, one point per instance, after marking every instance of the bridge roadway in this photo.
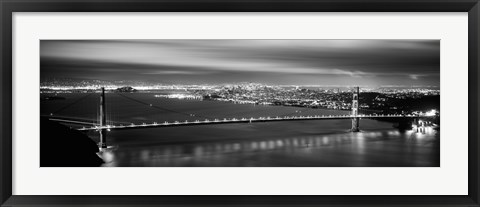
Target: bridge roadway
(242, 120)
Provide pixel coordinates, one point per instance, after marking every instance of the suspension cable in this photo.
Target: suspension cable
(160, 108)
(71, 104)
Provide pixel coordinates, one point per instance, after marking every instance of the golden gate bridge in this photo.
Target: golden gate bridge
(102, 127)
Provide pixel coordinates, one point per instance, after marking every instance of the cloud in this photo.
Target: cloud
(392, 60)
(418, 76)
(353, 73)
(172, 72)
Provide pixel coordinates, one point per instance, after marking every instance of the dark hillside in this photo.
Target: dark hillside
(61, 146)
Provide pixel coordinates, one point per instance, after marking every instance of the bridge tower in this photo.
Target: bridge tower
(103, 120)
(355, 119)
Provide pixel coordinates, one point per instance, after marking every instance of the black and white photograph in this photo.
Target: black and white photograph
(240, 103)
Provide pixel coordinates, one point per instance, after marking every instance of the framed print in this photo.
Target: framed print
(233, 101)
(197, 103)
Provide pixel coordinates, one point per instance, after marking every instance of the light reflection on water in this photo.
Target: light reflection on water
(367, 148)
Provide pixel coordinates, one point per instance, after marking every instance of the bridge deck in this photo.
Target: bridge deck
(234, 120)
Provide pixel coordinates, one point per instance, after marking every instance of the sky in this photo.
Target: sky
(282, 62)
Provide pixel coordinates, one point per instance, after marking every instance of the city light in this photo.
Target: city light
(432, 112)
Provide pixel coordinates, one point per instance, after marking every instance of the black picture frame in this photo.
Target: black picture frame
(8, 7)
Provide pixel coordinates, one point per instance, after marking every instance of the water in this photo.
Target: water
(320, 143)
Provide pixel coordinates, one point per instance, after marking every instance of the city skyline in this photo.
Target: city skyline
(278, 62)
